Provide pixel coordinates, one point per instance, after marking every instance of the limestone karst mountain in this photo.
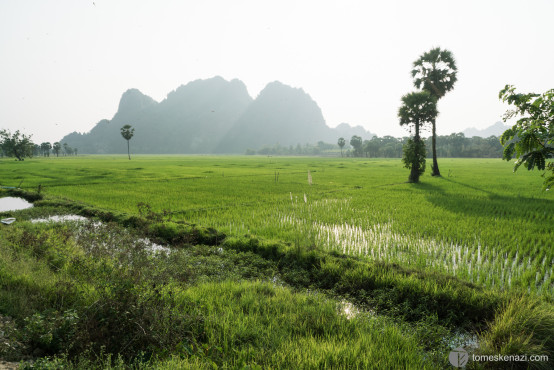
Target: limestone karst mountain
(211, 116)
(279, 115)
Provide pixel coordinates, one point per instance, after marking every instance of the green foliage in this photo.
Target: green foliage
(356, 143)
(435, 71)
(417, 108)
(56, 148)
(413, 152)
(45, 148)
(127, 132)
(16, 145)
(51, 330)
(531, 139)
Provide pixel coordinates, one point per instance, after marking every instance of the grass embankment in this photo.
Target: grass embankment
(91, 296)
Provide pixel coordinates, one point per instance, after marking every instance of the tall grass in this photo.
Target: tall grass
(522, 326)
(106, 302)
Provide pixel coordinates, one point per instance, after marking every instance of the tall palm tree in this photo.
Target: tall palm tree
(417, 108)
(435, 71)
(127, 132)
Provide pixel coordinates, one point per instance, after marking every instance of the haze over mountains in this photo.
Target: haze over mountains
(494, 130)
(213, 116)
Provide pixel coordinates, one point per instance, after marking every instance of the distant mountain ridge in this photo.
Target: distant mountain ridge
(496, 129)
(346, 131)
(212, 116)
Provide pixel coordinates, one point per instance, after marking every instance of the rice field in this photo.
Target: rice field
(480, 221)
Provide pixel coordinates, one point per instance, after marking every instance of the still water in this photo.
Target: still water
(13, 204)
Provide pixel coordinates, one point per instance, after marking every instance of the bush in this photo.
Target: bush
(135, 320)
(409, 155)
(51, 331)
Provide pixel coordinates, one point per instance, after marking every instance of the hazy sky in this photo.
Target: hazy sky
(65, 63)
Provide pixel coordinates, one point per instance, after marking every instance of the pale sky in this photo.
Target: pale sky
(65, 63)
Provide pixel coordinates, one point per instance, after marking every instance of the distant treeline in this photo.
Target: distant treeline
(20, 145)
(454, 145)
(320, 148)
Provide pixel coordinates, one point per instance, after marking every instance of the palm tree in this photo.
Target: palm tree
(127, 132)
(56, 148)
(435, 71)
(417, 108)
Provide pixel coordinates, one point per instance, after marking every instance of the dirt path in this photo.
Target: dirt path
(4, 365)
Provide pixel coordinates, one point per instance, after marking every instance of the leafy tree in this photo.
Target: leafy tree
(45, 148)
(356, 143)
(417, 108)
(435, 71)
(341, 144)
(56, 148)
(373, 146)
(531, 139)
(127, 132)
(366, 148)
(16, 145)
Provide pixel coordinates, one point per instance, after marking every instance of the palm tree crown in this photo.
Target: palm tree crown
(417, 108)
(127, 132)
(435, 71)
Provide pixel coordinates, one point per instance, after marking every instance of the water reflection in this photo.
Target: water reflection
(13, 204)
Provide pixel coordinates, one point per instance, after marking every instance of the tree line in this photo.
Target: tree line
(448, 146)
(455, 145)
(20, 146)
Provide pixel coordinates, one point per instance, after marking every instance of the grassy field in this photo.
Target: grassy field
(276, 262)
(480, 222)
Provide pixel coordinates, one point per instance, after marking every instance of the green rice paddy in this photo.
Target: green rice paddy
(480, 222)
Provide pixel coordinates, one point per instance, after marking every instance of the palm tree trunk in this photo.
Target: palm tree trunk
(435, 166)
(128, 152)
(414, 174)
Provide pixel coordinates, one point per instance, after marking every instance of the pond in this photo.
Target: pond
(13, 204)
